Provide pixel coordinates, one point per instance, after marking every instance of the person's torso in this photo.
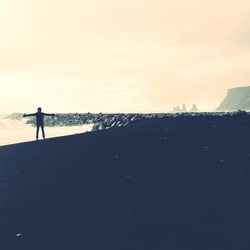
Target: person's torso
(39, 117)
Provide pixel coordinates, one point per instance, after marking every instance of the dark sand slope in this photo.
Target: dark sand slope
(162, 184)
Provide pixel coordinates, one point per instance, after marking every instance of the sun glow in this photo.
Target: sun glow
(5, 8)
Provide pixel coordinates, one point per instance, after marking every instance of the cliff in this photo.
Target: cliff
(237, 98)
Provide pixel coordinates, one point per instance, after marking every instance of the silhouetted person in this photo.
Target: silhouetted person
(39, 121)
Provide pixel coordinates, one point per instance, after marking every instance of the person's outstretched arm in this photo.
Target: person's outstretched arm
(25, 115)
(49, 114)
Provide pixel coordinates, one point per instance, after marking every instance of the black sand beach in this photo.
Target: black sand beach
(177, 183)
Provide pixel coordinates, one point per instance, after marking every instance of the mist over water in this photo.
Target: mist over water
(15, 131)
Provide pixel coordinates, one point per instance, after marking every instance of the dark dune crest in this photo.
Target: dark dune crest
(161, 183)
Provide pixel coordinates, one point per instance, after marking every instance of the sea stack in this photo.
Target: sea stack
(236, 99)
(194, 108)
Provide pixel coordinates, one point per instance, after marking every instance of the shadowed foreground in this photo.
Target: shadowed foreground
(157, 184)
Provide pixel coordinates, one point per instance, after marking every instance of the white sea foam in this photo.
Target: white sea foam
(15, 131)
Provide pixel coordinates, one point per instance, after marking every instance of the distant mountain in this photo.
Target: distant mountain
(236, 99)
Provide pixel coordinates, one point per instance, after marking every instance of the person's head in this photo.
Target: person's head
(39, 110)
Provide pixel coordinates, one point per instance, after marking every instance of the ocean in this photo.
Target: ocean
(16, 131)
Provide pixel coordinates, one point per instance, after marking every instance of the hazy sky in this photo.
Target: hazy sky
(121, 55)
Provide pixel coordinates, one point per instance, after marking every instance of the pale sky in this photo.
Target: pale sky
(121, 55)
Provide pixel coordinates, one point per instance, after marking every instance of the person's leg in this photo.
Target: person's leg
(43, 131)
(37, 132)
